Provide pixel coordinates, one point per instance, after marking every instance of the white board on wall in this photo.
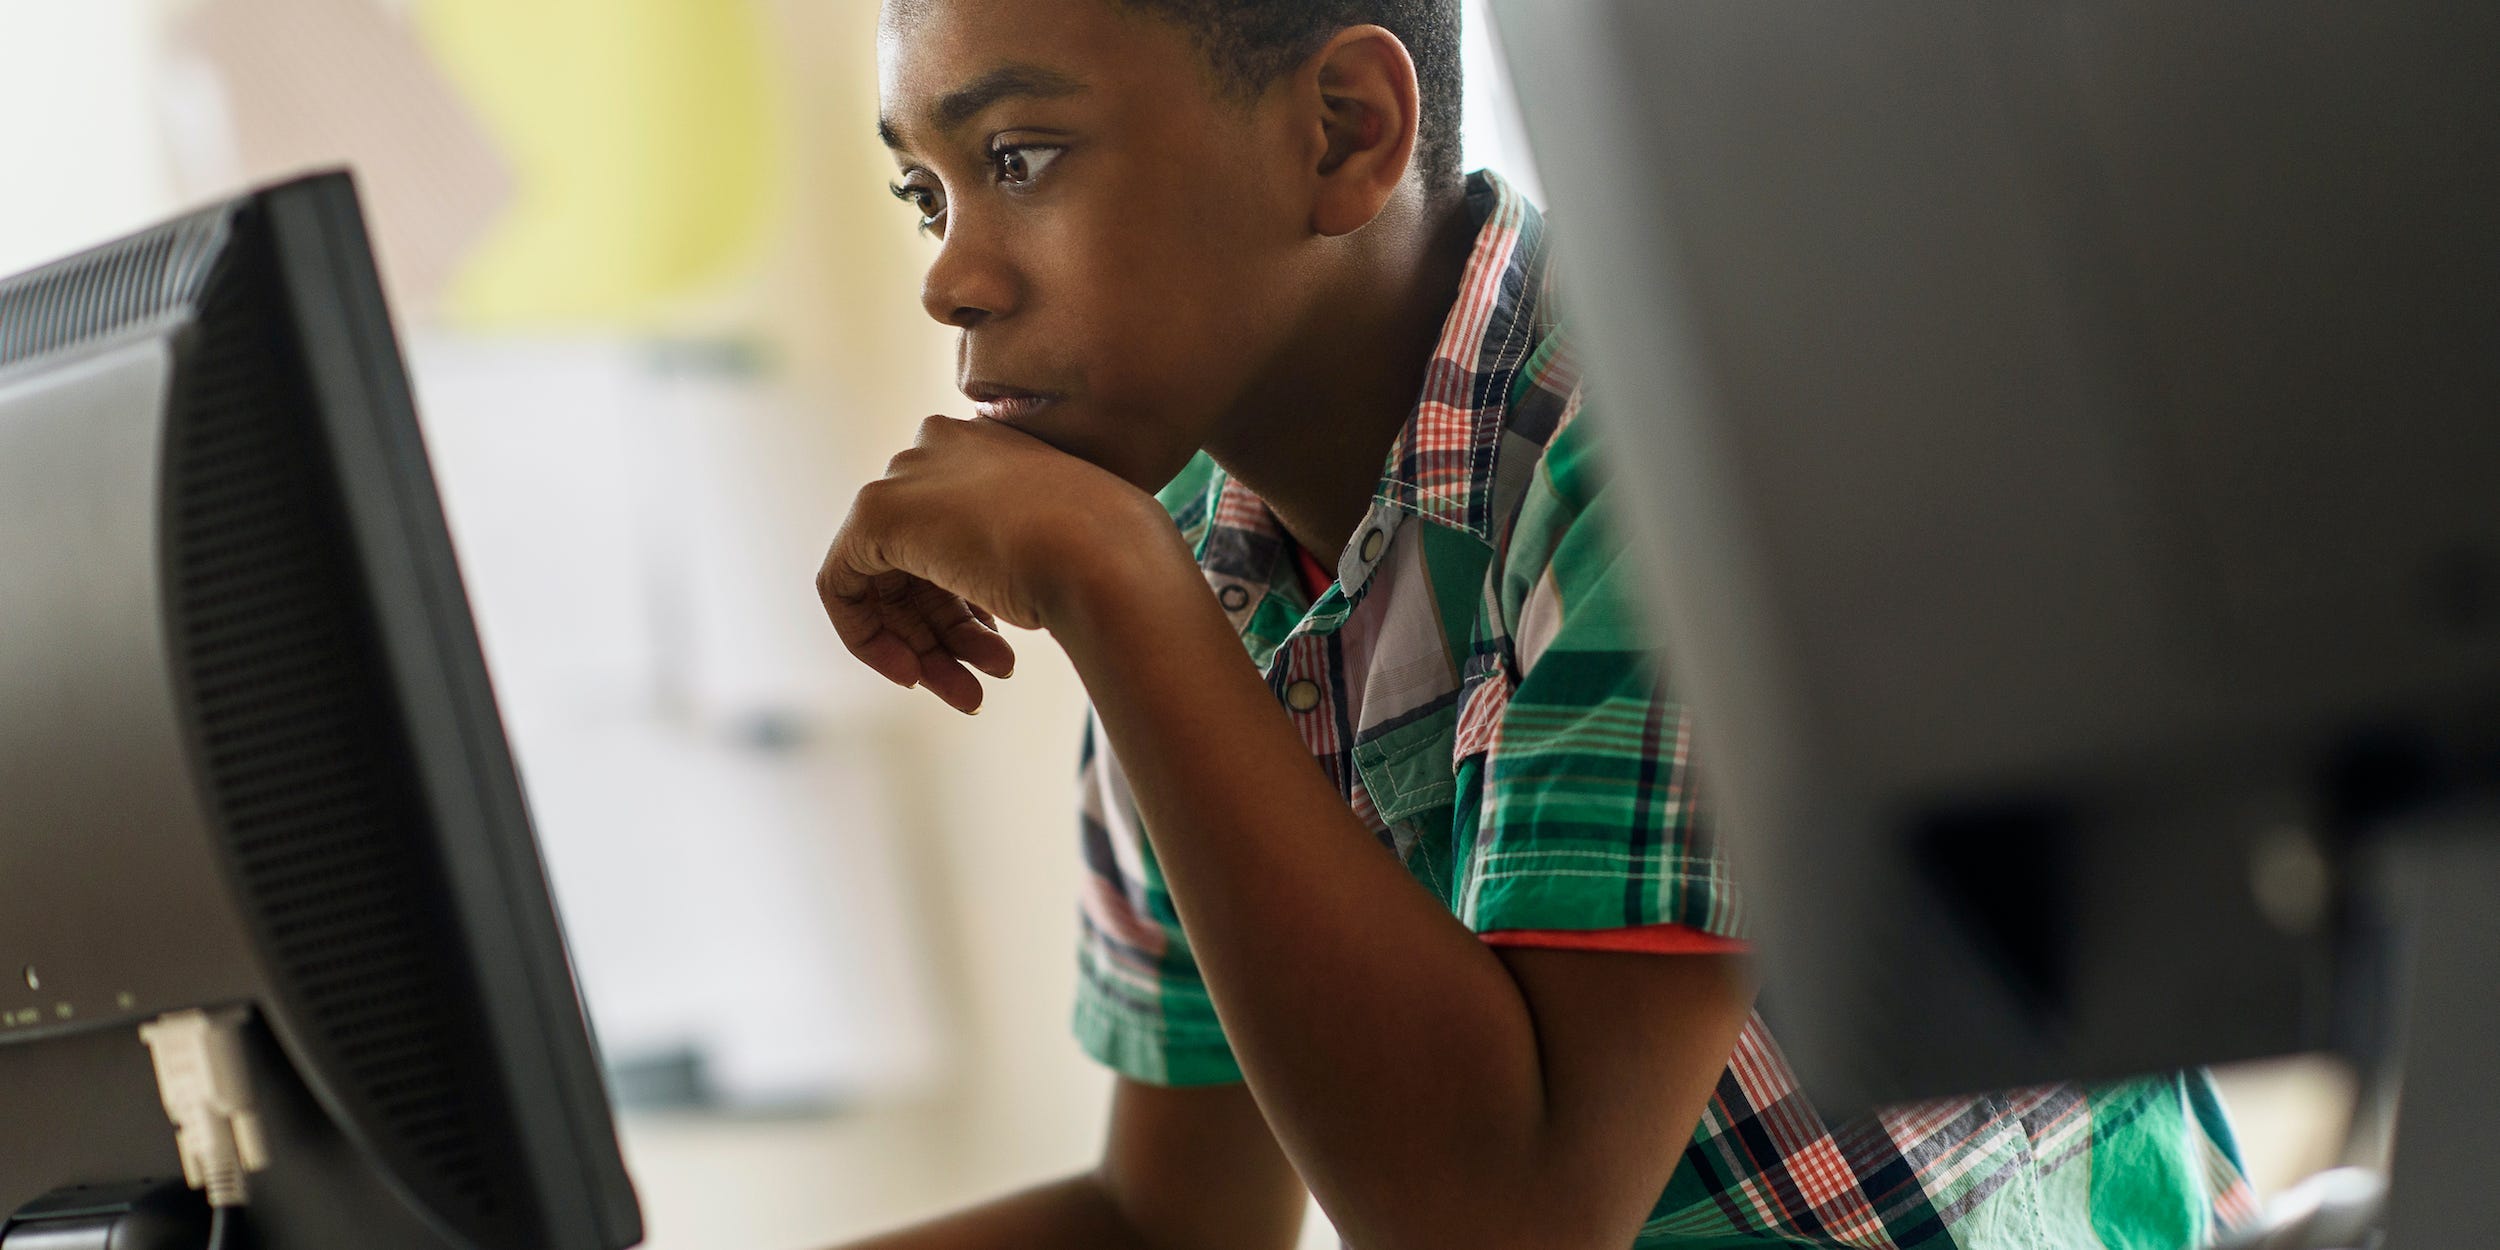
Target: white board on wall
(721, 843)
(80, 158)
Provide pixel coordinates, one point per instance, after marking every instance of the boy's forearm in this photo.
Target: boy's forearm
(1077, 1213)
(1393, 1053)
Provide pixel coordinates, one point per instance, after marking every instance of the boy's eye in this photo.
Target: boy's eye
(1020, 164)
(931, 204)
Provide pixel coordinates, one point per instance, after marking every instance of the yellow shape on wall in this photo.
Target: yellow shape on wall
(646, 143)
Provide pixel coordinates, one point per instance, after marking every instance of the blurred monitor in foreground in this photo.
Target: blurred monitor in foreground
(250, 762)
(2079, 539)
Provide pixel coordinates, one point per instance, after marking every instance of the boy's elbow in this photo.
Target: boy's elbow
(1530, 1213)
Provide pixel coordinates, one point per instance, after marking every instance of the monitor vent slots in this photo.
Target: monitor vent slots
(307, 767)
(129, 283)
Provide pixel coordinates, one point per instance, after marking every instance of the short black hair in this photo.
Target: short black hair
(1252, 43)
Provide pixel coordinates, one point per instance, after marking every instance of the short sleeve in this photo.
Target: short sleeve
(1141, 1007)
(1577, 808)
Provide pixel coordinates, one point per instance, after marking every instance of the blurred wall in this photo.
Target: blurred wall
(80, 159)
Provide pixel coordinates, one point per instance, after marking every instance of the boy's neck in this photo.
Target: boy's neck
(1312, 440)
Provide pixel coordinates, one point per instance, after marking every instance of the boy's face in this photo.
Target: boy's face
(1119, 242)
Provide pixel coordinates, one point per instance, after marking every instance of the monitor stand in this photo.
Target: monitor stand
(135, 1215)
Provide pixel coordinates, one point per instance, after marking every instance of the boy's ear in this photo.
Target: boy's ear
(1368, 114)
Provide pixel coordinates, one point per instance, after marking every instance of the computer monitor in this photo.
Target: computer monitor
(249, 758)
(2065, 439)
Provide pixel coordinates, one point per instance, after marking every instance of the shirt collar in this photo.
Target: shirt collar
(1442, 466)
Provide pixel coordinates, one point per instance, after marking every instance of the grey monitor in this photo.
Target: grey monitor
(2065, 439)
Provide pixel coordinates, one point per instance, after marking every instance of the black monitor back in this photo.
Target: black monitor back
(249, 755)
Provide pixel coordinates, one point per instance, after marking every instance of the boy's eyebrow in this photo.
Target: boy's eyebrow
(966, 102)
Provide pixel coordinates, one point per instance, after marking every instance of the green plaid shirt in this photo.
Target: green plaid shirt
(1477, 684)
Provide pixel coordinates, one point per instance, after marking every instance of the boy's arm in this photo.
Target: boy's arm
(1431, 1092)
(1183, 1169)
(1434, 1092)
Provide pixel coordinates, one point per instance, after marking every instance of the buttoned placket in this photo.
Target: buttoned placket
(1299, 671)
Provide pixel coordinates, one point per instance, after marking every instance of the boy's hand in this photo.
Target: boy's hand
(977, 523)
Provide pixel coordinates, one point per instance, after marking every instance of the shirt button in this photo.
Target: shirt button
(1234, 598)
(1372, 543)
(1302, 696)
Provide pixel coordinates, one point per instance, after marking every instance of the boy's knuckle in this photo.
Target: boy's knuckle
(833, 579)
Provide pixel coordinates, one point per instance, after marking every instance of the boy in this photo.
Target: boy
(1475, 978)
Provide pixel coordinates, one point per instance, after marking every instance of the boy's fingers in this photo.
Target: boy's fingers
(852, 602)
(890, 657)
(913, 633)
(933, 618)
(950, 681)
(977, 644)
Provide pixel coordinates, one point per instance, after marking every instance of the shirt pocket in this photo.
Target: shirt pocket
(1411, 777)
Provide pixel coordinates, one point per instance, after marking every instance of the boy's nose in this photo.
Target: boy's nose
(967, 285)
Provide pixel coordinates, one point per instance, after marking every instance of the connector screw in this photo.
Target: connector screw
(33, 981)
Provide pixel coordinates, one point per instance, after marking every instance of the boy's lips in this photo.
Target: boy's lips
(1007, 403)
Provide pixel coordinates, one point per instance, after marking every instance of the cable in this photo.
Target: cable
(218, 1218)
